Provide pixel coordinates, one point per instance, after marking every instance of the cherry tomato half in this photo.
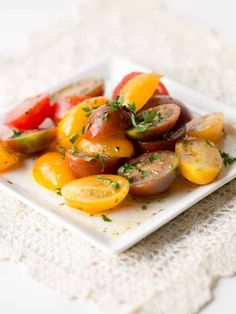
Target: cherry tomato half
(30, 113)
(105, 122)
(51, 171)
(166, 141)
(151, 173)
(154, 122)
(161, 89)
(96, 194)
(83, 165)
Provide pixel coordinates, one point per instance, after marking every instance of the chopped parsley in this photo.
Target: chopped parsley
(16, 133)
(149, 116)
(105, 218)
(105, 116)
(116, 185)
(87, 109)
(126, 167)
(88, 114)
(115, 104)
(74, 138)
(227, 159)
(83, 129)
(144, 207)
(58, 191)
(104, 179)
(154, 157)
(209, 143)
(99, 157)
(62, 150)
(132, 107)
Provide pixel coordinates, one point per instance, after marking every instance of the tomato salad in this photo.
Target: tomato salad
(101, 149)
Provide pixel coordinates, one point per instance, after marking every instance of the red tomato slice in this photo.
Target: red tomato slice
(63, 104)
(30, 113)
(161, 89)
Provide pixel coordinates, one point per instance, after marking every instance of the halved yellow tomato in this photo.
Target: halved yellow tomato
(51, 171)
(113, 146)
(96, 194)
(71, 127)
(208, 127)
(8, 157)
(199, 160)
(139, 89)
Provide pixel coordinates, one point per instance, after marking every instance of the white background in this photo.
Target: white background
(18, 18)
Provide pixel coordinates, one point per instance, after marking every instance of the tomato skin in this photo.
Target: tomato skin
(30, 113)
(81, 167)
(88, 87)
(139, 89)
(169, 114)
(200, 161)
(122, 83)
(63, 104)
(161, 89)
(157, 100)
(209, 127)
(162, 171)
(32, 141)
(104, 123)
(75, 120)
(51, 171)
(96, 194)
(116, 147)
(166, 142)
(8, 157)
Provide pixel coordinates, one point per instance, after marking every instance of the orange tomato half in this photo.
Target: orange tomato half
(96, 194)
(51, 171)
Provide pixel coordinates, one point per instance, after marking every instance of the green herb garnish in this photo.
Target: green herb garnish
(115, 104)
(104, 179)
(227, 159)
(144, 207)
(62, 150)
(149, 116)
(74, 138)
(116, 185)
(105, 218)
(154, 157)
(83, 129)
(16, 133)
(58, 191)
(87, 109)
(132, 107)
(105, 116)
(88, 114)
(126, 167)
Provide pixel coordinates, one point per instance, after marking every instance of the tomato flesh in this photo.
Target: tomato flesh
(30, 113)
(154, 122)
(31, 142)
(96, 194)
(83, 165)
(200, 161)
(105, 122)
(63, 104)
(165, 142)
(151, 173)
(51, 171)
(160, 90)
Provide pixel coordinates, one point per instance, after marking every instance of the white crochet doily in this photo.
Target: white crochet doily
(174, 269)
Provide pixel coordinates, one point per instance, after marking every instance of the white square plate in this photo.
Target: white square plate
(130, 223)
